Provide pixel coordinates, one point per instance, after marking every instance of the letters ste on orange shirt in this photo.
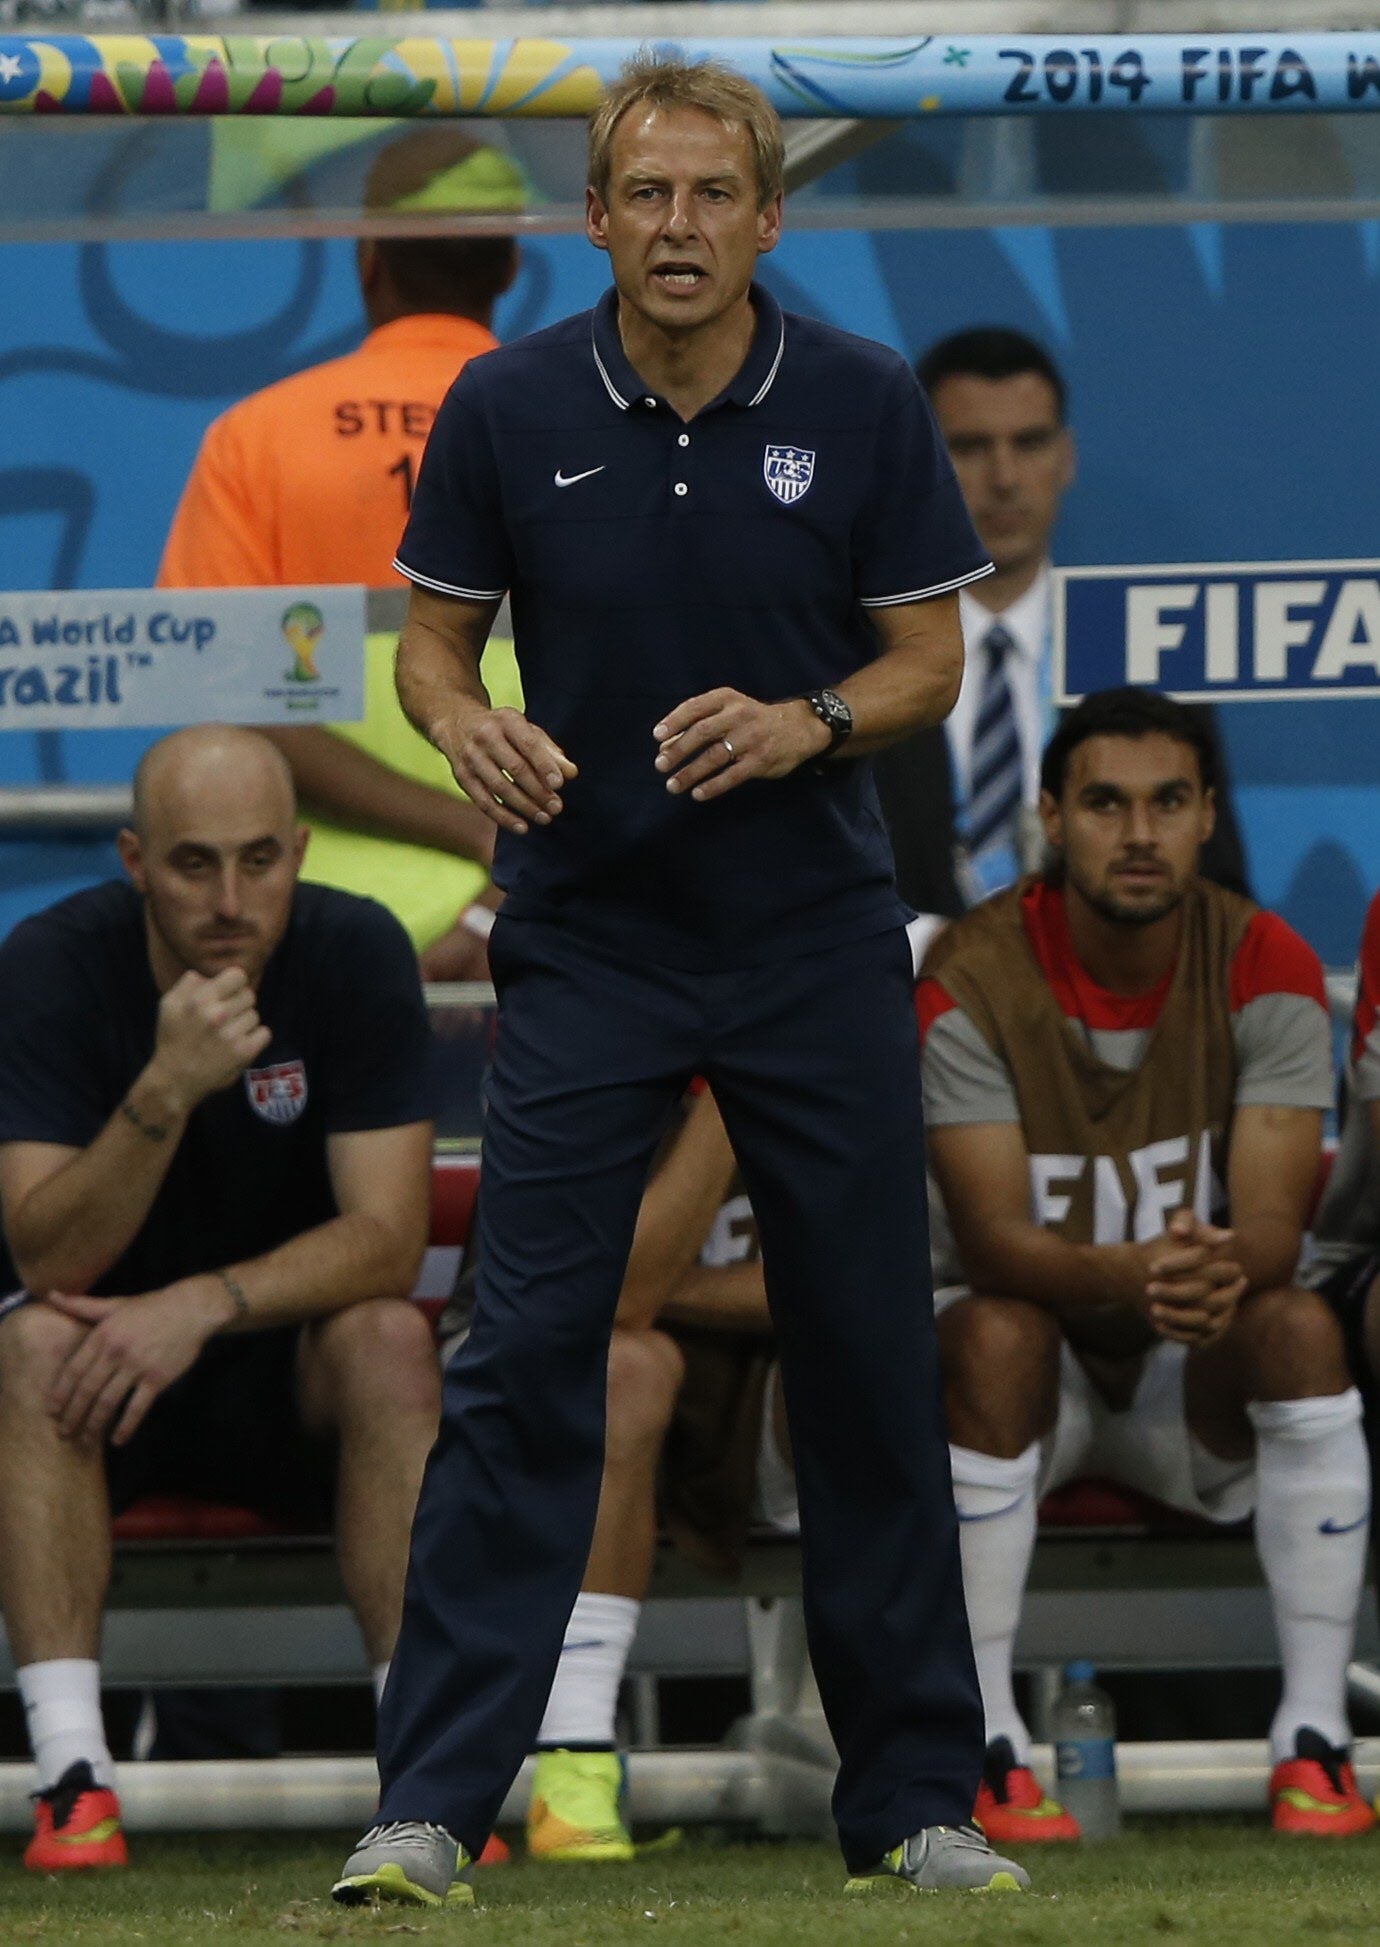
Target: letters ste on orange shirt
(311, 479)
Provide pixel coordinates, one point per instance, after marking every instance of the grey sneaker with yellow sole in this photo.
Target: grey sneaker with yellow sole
(942, 1858)
(409, 1864)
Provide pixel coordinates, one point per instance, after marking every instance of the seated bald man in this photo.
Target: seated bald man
(215, 1145)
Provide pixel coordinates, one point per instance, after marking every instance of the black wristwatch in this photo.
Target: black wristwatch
(834, 714)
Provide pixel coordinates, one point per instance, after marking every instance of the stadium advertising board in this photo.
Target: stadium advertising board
(929, 74)
(100, 658)
(1222, 632)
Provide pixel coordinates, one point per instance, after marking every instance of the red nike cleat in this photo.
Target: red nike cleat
(1314, 1792)
(495, 1853)
(1012, 1807)
(76, 1824)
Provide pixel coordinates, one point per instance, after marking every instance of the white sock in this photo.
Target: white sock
(996, 1516)
(1312, 1501)
(62, 1706)
(584, 1695)
(380, 1679)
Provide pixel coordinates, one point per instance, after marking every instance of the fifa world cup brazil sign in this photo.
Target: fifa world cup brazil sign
(100, 658)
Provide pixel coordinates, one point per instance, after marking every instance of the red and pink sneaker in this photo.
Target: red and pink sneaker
(76, 1824)
(1013, 1808)
(1314, 1792)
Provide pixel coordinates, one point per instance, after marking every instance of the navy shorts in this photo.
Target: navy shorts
(229, 1431)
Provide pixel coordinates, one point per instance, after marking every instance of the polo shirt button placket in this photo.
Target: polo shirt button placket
(681, 488)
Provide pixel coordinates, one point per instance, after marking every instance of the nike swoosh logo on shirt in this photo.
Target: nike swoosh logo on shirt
(1331, 1527)
(569, 479)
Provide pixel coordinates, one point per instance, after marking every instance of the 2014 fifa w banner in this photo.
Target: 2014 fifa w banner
(927, 74)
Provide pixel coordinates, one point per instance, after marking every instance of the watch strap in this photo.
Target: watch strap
(833, 713)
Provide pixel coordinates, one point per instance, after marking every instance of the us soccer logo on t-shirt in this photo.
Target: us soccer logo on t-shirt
(788, 471)
(278, 1094)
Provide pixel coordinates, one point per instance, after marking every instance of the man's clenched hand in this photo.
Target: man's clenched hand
(1193, 1281)
(208, 1033)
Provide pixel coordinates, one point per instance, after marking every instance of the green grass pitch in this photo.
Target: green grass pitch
(1212, 1882)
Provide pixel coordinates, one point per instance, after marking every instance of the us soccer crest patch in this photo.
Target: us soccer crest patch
(788, 471)
(278, 1094)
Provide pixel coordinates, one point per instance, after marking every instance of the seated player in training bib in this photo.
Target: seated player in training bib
(1125, 1073)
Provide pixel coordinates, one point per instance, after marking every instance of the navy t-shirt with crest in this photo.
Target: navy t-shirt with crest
(350, 1051)
(649, 560)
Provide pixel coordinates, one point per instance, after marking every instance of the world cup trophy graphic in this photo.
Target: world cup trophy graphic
(303, 625)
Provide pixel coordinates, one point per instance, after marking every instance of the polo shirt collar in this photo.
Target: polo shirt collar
(749, 385)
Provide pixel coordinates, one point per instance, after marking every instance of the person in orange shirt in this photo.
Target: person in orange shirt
(310, 481)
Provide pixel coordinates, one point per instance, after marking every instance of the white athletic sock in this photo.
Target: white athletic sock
(1312, 1502)
(996, 1516)
(380, 1679)
(584, 1695)
(62, 1706)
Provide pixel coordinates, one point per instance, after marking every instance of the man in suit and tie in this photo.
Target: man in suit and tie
(961, 798)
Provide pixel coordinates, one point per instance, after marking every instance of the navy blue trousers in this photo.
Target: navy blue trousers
(815, 1067)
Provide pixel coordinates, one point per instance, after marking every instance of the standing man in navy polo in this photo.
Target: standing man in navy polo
(731, 540)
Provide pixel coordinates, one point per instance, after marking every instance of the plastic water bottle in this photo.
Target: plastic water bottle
(1084, 1724)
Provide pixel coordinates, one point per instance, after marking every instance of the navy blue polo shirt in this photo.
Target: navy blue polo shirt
(648, 560)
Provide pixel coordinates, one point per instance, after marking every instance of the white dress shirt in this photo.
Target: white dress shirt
(1027, 621)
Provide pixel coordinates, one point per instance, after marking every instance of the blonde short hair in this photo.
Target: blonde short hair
(706, 85)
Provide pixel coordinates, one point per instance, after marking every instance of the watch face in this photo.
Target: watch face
(836, 713)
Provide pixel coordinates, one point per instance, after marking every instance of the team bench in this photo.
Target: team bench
(205, 1594)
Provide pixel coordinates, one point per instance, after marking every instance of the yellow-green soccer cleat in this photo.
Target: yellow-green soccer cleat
(577, 1813)
(409, 1864)
(939, 1859)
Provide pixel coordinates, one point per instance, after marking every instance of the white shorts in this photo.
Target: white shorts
(1149, 1447)
(777, 1504)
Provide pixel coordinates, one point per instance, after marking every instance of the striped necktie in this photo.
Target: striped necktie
(995, 794)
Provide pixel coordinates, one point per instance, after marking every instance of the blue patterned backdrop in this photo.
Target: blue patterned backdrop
(1223, 394)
